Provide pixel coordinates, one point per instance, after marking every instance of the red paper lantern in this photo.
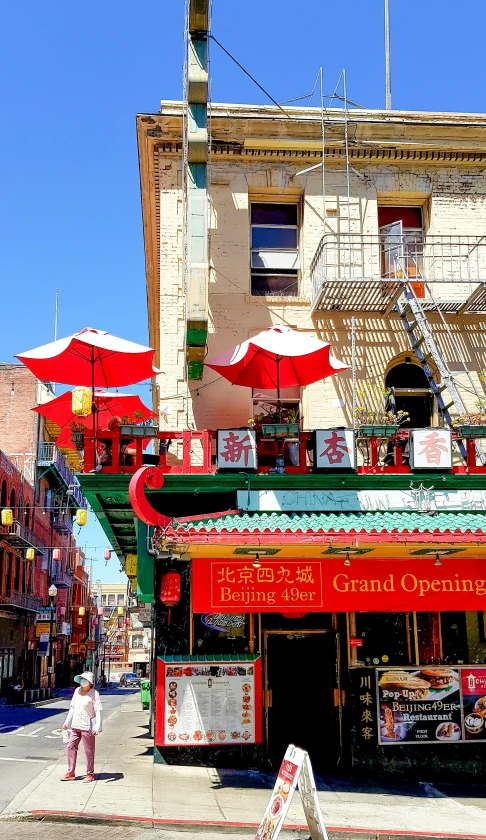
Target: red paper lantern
(56, 554)
(170, 590)
(107, 554)
(95, 622)
(127, 622)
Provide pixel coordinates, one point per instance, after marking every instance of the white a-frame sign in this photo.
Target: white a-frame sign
(295, 768)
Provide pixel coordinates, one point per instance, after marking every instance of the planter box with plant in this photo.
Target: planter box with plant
(472, 424)
(373, 415)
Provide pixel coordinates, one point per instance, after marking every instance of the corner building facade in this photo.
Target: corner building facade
(346, 595)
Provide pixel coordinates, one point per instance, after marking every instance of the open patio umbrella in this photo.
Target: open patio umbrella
(91, 358)
(278, 357)
(129, 407)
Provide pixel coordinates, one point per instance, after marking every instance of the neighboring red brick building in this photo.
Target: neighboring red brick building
(45, 494)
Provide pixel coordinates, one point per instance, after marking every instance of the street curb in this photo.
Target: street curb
(335, 832)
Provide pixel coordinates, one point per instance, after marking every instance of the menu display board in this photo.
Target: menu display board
(474, 703)
(208, 703)
(419, 705)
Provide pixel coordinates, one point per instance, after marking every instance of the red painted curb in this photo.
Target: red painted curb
(160, 821)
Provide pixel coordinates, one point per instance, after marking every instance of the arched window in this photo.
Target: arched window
(410, 392)
(3, 495)
(12, 501)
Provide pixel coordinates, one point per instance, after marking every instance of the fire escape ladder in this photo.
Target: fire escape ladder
(427, 349)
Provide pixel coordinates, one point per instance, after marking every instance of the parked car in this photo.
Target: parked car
(129, 681)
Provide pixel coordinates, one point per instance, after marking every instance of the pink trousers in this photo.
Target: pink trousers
(89, 749)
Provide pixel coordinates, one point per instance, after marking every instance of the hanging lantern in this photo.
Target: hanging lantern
(120, 610)
(82, 611)
(170, 590)
(7, 517)
(81, 516)
(120, 623)
(101, 611)
(107, 554)
(56, 554)
(95, 622)
(81, 402)
(127, 622)
(30, 554)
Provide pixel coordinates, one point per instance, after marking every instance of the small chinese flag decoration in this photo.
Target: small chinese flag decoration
(170, 590)
(56, 554)
(81, 516)
(7, 517)
(30, 554)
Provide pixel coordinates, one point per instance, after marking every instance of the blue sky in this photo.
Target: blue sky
(73, 79)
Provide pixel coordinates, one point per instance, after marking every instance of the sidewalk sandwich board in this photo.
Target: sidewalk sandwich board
(295, 769)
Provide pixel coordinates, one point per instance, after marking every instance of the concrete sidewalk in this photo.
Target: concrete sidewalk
(130, 785)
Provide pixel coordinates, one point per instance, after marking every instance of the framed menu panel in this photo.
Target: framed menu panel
(419, 705)
(208, 702)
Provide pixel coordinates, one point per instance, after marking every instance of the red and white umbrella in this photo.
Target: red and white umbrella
(91, 358)
(128, 407)
(278, 357)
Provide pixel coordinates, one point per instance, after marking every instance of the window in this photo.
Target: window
(26, 515)
(3, 496)
(12, 502)
(274, 249)
(402, 244)
(17, 575)
(120, 600)
(137, 642)
(2, 569)
(8, 575)
(103, 600)
(111, 600)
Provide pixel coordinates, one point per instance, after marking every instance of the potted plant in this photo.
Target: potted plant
(77, 434)
(373, 416)
(472, 424)
(282, 424)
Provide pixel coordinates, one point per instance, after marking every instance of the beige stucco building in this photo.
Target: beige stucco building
(323, 261)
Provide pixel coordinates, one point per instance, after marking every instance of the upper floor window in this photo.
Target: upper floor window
(402, 245)
(103, 600)
(274, 248)
(120, 600)
(111, 600)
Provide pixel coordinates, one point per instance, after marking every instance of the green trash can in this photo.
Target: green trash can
(145, 691)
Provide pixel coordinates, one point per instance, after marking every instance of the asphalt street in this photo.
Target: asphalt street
(30, 739)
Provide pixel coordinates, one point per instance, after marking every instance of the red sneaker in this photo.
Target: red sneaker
(89, 778)
(67, 777)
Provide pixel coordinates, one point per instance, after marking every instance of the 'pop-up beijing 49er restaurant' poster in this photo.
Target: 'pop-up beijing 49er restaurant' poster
(419, 705)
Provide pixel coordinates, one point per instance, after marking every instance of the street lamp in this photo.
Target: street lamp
(52, 598)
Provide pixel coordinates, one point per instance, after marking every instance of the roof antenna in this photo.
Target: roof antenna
(387, 56)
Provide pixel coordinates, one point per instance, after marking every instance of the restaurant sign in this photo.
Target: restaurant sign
(230, 586)
(431, 705)
(416, 498)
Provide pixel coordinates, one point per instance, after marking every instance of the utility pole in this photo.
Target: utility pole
(387, 56)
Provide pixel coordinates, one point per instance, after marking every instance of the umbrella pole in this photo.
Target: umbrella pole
(279, 404)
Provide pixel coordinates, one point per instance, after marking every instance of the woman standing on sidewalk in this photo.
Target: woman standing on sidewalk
(84, 716)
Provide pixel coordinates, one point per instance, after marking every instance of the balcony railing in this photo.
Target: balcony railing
(376, 453)
(21, 536)
(383, 262)
(49, 456)
(20, 599)
(62, 522)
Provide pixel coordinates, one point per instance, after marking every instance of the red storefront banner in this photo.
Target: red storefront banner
(328, 585)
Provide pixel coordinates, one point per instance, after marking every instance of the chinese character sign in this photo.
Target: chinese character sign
(237, 449)
(335, 449)
(431, 449)
(474, 703)
(274, 586)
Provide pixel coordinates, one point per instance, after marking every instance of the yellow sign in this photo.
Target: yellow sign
(42, 627)
(131, 565)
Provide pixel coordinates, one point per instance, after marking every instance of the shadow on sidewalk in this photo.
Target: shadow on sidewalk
(109, 777)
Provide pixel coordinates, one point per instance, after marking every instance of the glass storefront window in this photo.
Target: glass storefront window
(222, 633)
(386, 638)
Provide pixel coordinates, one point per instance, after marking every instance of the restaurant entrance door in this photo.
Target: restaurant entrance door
(300, 682)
